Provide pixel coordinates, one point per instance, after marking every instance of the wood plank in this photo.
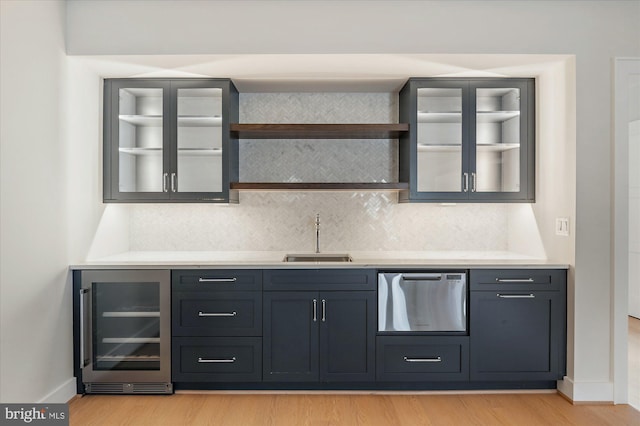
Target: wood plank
(318, 131)
(320, 186)
(308, 408)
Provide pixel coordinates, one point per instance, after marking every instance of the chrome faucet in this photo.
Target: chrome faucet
(318, 233)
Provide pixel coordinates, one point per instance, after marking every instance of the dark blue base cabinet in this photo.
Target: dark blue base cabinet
(518, 324)
(314, 329)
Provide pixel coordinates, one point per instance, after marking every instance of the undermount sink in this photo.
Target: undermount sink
(317, 257)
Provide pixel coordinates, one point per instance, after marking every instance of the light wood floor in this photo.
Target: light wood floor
(345, 409)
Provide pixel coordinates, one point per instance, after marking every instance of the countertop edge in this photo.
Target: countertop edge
(359, 260)
(326, 265)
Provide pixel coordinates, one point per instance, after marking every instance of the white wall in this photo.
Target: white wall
(35, 301)
(594, 31)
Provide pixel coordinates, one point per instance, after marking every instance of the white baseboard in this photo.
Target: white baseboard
(62, 394)
(586, 391)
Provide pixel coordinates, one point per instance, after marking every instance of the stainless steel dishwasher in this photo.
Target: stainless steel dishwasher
(422, 301)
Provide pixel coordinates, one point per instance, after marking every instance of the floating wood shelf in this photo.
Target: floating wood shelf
(319, 131)
(319, 186)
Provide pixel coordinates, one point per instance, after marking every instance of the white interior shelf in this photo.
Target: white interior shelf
(142, 120)
(496, 146)
(483, 147)
(199, 121)
(496, 116)
(439, 117)
(183, 120)
(456, 117)
(199, 152)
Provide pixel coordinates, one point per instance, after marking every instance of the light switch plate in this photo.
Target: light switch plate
(562, 226)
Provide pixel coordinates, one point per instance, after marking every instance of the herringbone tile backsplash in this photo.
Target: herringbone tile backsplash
(318, 160)
(283, 221)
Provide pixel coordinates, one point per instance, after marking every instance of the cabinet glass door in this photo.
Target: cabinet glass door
(439, 140)
(126, 326)
(141, 134)
(199, 141)
(497, 142)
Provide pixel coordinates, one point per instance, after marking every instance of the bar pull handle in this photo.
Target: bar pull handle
(429, 359)
(218, 361)
(82, 325)
(422, 277)
(473, 182)
(516, 296)
(465, 182)
(315, 310)
(217, 314)
(514, 280)
(173, 182)
(217, 280)
(165, 176)
(324, 310)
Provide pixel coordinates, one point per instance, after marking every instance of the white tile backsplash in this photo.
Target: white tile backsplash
(273, 221)
(284, 221)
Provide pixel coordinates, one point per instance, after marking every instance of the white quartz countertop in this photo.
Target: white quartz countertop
(272, 259)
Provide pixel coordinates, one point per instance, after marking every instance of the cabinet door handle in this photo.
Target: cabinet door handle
(514, 280)
(217, 280)
(173, 182)
(324, 310)
(165, 176)
(219, 360)
(430, 359)
(473, 182)
(516, 296)
(315, 310)
(217, 314)
(465, 182)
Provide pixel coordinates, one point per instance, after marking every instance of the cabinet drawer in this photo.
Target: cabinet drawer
(221, 359)
(319, 279)
(417, 358)
(517, 279)
(216, 279)
(217, 313)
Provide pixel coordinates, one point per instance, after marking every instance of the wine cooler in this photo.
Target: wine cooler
(123, 331)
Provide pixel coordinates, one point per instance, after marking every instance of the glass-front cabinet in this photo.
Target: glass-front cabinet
(469, 140)
(168, 140)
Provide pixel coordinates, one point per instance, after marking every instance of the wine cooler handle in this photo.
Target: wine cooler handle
(83, 293)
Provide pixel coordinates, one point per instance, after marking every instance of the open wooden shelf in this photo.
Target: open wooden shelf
(318, 131)
(319, 186)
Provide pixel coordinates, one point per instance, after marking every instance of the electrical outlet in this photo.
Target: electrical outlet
(562, 226)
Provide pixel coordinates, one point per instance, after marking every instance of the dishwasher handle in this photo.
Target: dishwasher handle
(422, 276)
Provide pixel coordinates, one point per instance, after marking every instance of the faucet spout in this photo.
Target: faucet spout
(318, 233)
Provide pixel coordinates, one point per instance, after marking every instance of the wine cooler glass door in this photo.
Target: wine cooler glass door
(129, 325)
